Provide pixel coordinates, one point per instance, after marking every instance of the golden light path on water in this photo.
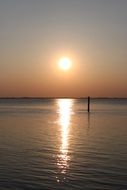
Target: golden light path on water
(65, 111)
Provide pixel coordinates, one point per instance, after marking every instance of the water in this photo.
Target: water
(55, 144)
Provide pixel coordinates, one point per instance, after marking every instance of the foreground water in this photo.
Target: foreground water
(53, 144)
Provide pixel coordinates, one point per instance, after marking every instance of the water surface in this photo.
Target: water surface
(55, 144)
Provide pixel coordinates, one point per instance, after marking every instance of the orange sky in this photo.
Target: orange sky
(34, 36)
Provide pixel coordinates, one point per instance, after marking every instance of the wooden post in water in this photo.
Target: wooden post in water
(88, 104)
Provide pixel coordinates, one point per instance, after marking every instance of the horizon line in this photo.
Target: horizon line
(60, 97)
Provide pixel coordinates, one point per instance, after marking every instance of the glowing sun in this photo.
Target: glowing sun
(65, 63)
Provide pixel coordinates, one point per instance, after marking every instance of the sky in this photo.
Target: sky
(35, 34)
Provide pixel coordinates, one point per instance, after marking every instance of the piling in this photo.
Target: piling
(88, 104)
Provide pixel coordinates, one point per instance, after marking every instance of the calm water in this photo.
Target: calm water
(53, 144)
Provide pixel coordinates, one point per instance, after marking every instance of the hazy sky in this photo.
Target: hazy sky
(35, 34)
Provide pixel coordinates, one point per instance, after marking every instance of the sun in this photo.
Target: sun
(65, 63)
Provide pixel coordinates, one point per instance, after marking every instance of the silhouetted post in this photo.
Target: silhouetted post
(88, 104)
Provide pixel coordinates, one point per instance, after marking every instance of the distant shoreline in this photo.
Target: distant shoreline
(39, 98)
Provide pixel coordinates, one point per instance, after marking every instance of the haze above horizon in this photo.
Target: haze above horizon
(35, 35)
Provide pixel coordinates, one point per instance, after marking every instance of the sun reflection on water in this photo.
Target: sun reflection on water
(65, 111)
